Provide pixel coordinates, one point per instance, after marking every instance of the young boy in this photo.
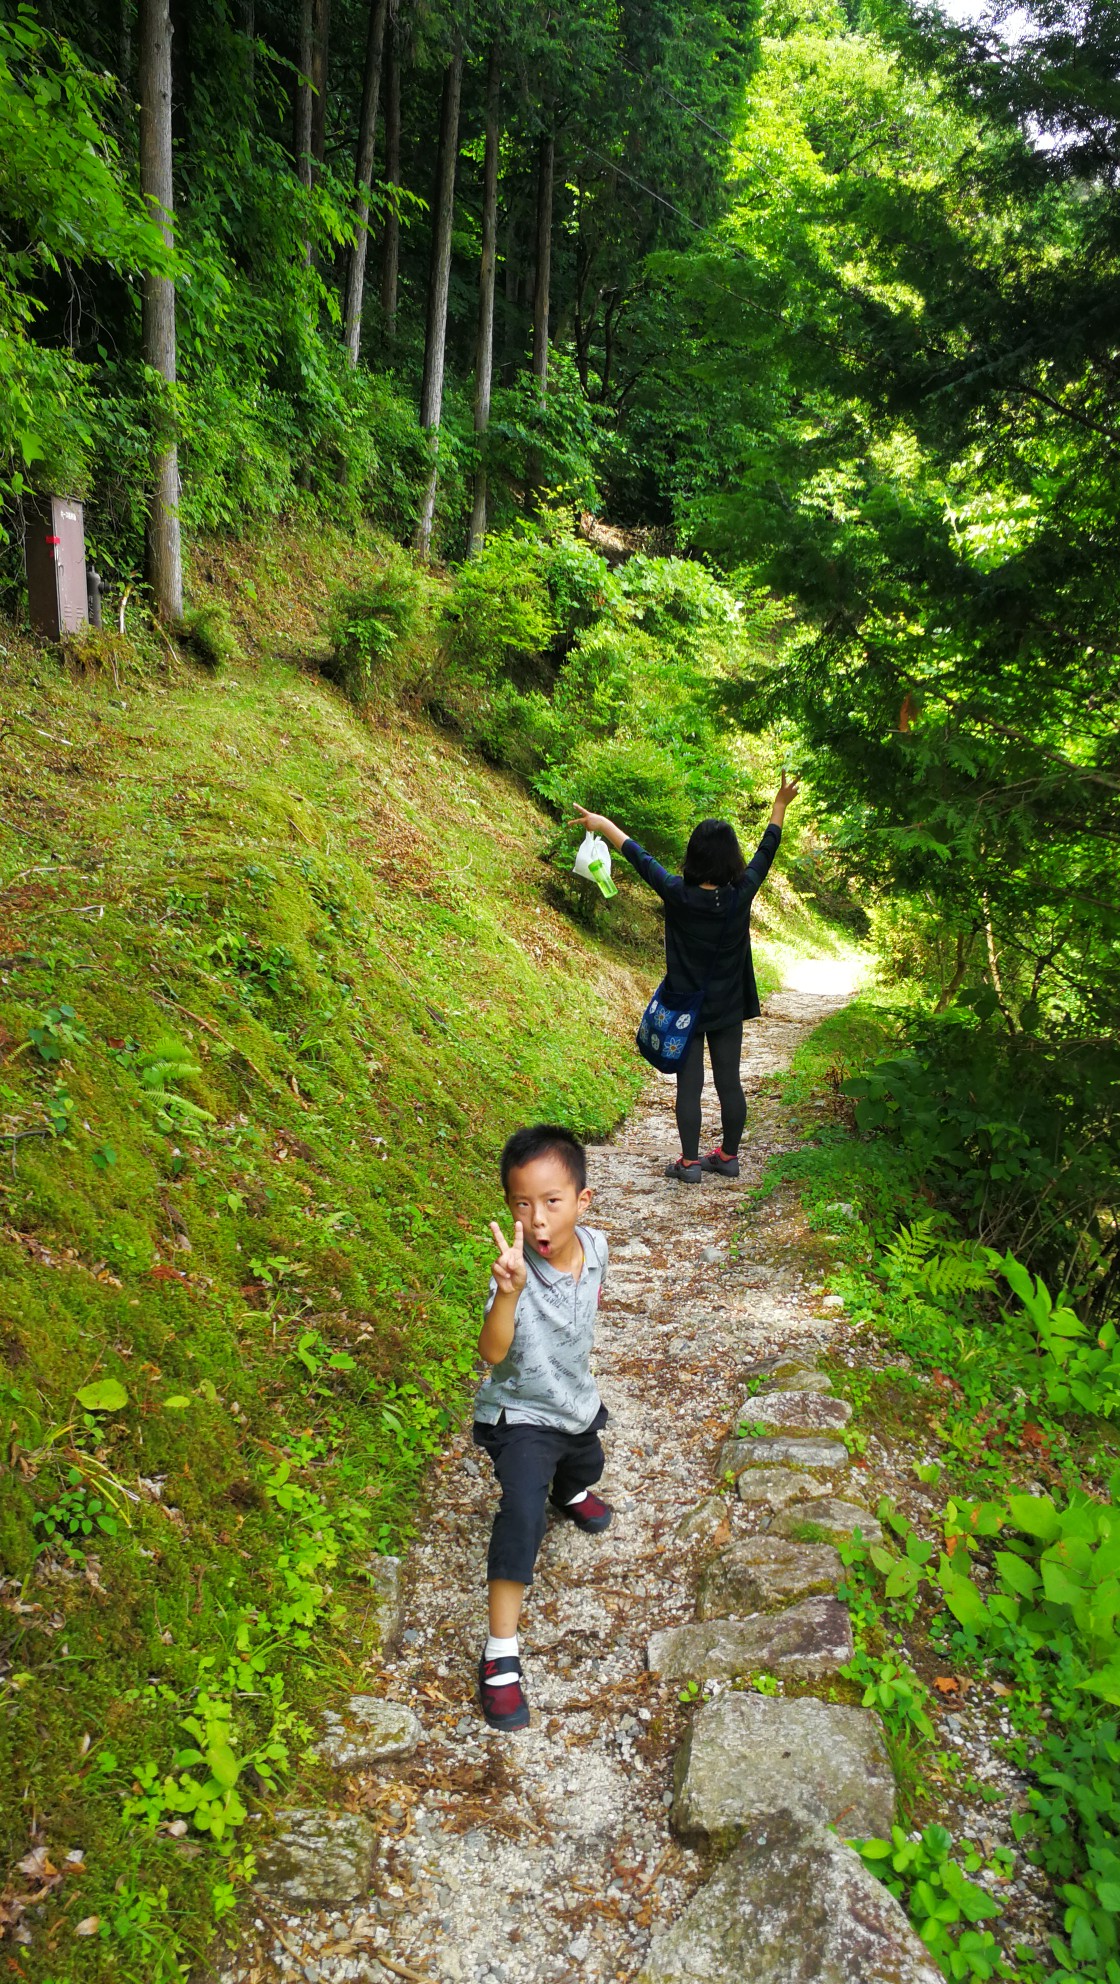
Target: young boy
(538, 1411)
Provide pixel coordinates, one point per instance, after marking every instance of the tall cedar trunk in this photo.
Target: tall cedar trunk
(439, 279)
(510, 340)
(303, 93)
(546, 159)
(390, 255)
(320, 44)
(363, 173)
(249, 30)
(165, 564)
(484, 349)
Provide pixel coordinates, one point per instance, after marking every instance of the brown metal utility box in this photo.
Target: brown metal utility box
(55, 555)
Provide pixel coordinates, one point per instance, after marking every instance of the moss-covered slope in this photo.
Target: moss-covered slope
(276, 984)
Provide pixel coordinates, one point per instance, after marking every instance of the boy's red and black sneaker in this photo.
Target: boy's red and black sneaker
(685, 1168)
(592, 1513)
(718, 1160)
(501, 1694)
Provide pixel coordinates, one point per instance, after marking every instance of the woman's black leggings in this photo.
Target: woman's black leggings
(726, 1050)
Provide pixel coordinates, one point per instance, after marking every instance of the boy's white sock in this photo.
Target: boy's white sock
(498, 1649)
(573, 1499)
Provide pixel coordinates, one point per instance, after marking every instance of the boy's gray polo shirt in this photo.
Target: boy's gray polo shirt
(545, 1378)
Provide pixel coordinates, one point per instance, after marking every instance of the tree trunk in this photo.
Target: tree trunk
(390, 255)
(439, 280)
(302, 145)
(487, 270)
(546, 159)
(320, 43)
(363, 173)
(249, 30)
(165, 565)
(510, 339)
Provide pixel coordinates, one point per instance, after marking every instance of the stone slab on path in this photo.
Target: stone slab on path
(384, 1574)
(708, 1522)
(796, 1412)
(748, 1755)
(814, 1637)
(788, 1375)
(317, 1859)
(792, 1905)
(385, 1730)
(773, 1487)
(827, 1456)
(830, 1521)
(759, 1573)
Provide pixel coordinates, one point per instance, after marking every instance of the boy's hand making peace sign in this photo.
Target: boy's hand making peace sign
(509, 1270)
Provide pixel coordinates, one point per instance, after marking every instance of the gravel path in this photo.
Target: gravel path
(547, 1855)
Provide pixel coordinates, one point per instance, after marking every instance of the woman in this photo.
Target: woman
(708, 944)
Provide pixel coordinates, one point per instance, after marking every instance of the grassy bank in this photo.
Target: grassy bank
(276, 984)
(991, 1414)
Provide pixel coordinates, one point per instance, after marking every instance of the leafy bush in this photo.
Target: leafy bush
(639, 785)
(500, 611)
(1017, 1134)
(939, 1898)
(209, 633)
(369, 624)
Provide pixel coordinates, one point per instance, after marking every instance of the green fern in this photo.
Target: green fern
(169, 1063)
(921, 1262)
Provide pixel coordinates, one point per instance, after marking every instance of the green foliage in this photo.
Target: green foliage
(940, 1899)
(73, 1518)
(369, 625)
(500, 613)
(1017, 1134)
(64, 201)
(637, 782)
(210, 634)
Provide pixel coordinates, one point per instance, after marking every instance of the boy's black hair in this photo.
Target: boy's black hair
(713, 854)
(545, 1140)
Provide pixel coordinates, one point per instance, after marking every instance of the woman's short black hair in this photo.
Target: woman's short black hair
(713, 854)
(545, 1140)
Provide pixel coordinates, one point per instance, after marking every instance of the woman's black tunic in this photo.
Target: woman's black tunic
(708, 935)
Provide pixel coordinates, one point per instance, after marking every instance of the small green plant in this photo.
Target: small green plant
(940, 1899)
(55, 1032)
(73, 1518)
(208, 631)
(369, 624)
(689, 1692)
(161, 1070)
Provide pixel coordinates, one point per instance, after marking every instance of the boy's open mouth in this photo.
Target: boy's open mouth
(543, 1247)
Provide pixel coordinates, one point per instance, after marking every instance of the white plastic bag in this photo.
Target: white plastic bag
(593, 862)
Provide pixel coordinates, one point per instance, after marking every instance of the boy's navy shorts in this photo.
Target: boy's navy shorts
(527, 1459)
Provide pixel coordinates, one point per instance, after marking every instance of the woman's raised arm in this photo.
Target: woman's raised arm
(598, 823)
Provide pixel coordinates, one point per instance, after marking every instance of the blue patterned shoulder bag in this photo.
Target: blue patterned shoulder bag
(667, 1028)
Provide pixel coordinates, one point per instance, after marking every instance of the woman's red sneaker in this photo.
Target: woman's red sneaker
(718, 1160)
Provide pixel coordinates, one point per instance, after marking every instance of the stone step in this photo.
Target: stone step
(792, 1905)
(823, 1519)
(761, 1573)
(747, 1755)
(385, 1730)
(773, 1487)
(778, 1450)
(814, 1637)
(796, 1412)
(316, 1859)
(791, 1376)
